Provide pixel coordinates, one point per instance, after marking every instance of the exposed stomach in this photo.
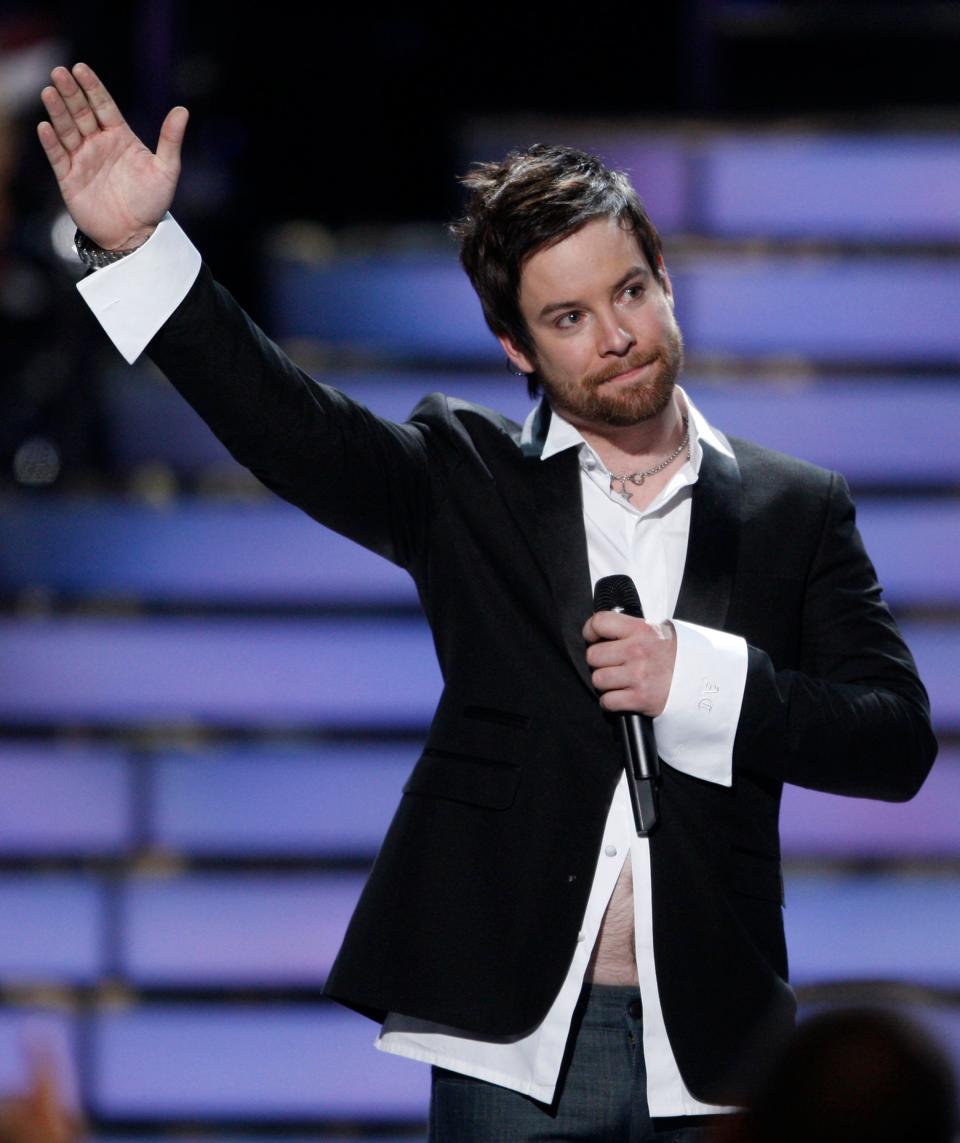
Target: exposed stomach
(614, 959)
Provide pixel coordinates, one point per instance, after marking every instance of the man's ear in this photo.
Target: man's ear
(517, 358)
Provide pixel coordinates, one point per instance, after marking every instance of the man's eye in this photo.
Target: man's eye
(634, 291)
(567, 320)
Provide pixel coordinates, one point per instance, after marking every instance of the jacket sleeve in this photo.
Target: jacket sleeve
(854, 718)
(353, 471)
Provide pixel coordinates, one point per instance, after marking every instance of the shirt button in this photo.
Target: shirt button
(581, 937)
(611, 851)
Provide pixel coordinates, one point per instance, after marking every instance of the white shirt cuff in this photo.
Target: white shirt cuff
(696, 730)
(132, 298)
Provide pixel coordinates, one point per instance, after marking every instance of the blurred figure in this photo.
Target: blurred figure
(854, 1076)
(40, 1114)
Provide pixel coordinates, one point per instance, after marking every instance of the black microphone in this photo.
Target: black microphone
(618, 593)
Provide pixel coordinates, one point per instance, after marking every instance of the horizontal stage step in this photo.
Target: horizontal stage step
(900, 430)
(872, 309)
(253, 673)
(334, 801)
(161, 1062)
(816, 825)
(281, 931)
(202, 552)
(273, 673)
(786, 183)
(863, 927)
(250, 1063)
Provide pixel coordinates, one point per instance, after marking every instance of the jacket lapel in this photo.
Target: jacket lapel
(561, 545)
(713, 545)
(545, 499)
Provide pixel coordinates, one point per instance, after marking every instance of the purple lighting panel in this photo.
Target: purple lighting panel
(779, 183)
(193, 550)
(195, 1134)
(823, 825)
(50, 929)
(915, 547)
(868, 309)
(274, 672)
(427, 307)
(898, 188)
(149, 420)
(62, 800)
(659, 163)
(248, 672)
(936, 648)
(251, 1063)
(196, 551)
(849, 927)
(324, 800)
(895, 438)
(873, 309)
(276, 930)
(915, 439)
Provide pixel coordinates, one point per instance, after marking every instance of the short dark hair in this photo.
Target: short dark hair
(531, 200)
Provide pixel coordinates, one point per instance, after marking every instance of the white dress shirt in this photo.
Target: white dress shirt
(132, 299)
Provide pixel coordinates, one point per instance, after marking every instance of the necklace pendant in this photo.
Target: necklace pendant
(622, 490)
(638, 479)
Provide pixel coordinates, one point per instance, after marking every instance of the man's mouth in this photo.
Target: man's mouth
(634, 373)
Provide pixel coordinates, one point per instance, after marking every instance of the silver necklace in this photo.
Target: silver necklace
(638, 478)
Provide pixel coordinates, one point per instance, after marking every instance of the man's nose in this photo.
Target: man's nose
(614, 338)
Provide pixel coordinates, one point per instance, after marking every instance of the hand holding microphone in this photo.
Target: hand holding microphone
(632, 663)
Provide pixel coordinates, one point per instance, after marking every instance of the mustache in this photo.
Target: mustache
(617, 369)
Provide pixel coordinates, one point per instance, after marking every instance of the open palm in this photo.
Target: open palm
(114, 187)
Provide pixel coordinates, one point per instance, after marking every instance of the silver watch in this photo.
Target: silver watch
(94, 256)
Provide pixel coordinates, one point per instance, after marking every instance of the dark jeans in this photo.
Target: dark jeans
(601, 1098)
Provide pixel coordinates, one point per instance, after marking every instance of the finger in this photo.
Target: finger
(171, 137)
(619, 700)
(56, 154)
(60, 119)
(103, 104)
(607, 625)
(615, 678)
(76, 101)
(606, 653)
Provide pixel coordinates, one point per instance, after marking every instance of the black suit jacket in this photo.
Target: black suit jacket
(471, 913)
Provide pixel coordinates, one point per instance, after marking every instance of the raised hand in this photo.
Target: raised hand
(114, 187)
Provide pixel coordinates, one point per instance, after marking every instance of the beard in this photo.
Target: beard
(587, 400)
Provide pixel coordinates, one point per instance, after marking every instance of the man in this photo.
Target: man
(567, 977)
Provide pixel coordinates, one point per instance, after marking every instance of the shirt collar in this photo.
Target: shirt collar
(554, 434)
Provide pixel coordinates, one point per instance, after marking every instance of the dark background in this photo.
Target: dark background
(354, 117)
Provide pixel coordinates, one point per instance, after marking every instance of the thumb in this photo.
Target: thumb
(171, 136)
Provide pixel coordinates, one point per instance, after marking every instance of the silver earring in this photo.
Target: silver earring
(512, 368)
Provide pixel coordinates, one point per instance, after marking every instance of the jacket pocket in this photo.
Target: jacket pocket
(464, 778)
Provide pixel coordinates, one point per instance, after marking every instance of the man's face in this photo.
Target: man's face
(608, 350)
